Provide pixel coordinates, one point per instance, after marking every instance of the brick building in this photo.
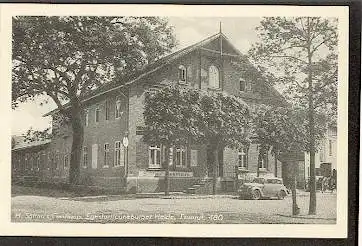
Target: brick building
(115, 111)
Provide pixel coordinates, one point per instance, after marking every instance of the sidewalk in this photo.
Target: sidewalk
(160, 195)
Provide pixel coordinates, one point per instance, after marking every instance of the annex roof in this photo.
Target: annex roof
(21, 143)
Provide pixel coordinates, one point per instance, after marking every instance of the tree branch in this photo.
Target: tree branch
(291, 57)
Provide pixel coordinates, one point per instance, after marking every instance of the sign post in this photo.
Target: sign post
(125, 144)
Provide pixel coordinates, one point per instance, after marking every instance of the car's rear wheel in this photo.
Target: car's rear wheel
(281, 195)
(255, 195)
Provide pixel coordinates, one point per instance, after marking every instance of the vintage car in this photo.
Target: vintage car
(263, 188)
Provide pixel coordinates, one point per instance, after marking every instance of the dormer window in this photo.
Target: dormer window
(182, 74)
(118, 112)
(214, 77)
(242, 85)
(86, 117)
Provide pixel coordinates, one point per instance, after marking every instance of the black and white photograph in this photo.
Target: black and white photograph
(159, 118)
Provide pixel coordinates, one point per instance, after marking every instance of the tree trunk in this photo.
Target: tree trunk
(276, 164)
(295, 208)
(167, 170)
(312, 194)
(214, 170)
(77, 143)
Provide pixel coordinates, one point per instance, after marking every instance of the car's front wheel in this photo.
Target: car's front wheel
(255, 195)
(281, 195)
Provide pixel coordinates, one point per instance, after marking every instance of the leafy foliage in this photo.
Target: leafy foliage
(284, 129)
(299, 51)
(175, 115)
(68, 56)
(36, 135)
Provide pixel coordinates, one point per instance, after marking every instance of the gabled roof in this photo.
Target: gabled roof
(155, 66)
(151, 68)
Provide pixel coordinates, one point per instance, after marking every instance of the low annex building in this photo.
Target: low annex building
(115, 111)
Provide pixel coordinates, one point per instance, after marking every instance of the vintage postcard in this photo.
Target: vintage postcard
(155, 120)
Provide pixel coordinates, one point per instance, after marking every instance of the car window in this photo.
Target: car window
(273, 181)
(259, 181)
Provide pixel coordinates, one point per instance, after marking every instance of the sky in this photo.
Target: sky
(240, 31)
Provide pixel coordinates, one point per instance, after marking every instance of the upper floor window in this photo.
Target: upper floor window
(330, 147)
(86, 117)
(182, 74)
(97, 114)
(107, 110)
(118, 112)
(214, 77)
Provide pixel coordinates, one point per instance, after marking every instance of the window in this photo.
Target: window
(262, 161)
(26, 161)
(118, 154)
(49, 160)
(273, 181)
(32, 162)
(243, 158)
(56, 160)
(154, 154)
(259, 180)
(86, 117)
(182, 74)
(85, 156)
(106, 155)
(180, 157)
(97, 114)
(242, 85)
(66, 161)
(107, 110)
(214, 78)
(330, 147)
(118, 108)
(37, 163)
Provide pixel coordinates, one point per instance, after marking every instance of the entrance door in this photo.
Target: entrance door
(94, 156)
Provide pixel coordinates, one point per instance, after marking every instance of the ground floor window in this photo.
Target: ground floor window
(85, 156)
(57, 160)
(66, 161)
(118, 154)
(31, 161)
(262, 162)
(180, 157)
(243, 158)
(49, 160)
(37, 163)
(106, 155)
(154, 155)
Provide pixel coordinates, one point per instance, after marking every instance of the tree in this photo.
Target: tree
(225, 123)
(283, 130)
(301, 53)
(65, 58)
(171, 119)
(177, 116)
